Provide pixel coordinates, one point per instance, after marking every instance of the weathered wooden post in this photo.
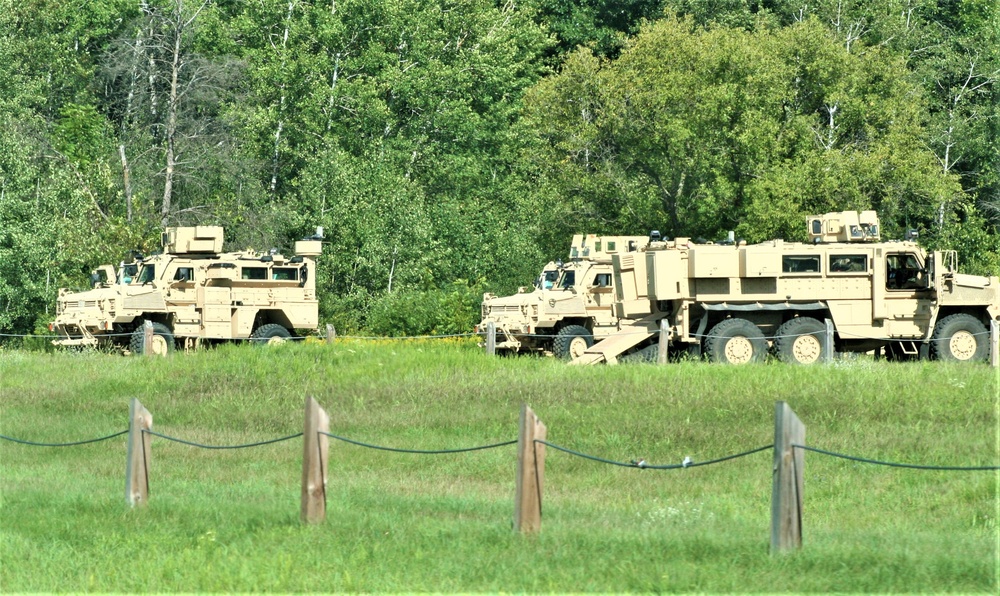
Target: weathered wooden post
(147, 338)
(138, 456)
(995, 343)
(530, 473)
(661, 354)
(787, 487)
(828, 342)
(314, 462)
(331, 333)
(491, 338)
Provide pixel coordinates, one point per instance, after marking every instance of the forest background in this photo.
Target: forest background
(453, 146)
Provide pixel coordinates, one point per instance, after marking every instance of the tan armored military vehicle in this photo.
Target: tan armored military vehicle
(192, 292)
(735, 302)
(571, 304)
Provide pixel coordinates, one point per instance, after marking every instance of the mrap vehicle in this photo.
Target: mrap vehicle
(571, 304)
(193, 292)
(734, 303)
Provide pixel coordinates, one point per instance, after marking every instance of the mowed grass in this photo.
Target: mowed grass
(228, 520)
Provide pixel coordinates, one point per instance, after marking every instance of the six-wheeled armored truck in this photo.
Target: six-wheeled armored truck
(733, 303)
(567, 313)
(193, 292)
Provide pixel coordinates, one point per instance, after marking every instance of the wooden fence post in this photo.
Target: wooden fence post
(828, 341)
(530, 473)
(147, 338)
(331, 333)
(995, 343)
(787, 487)
(661, 354)
(314, 462)
(491, 338)
(138, 456)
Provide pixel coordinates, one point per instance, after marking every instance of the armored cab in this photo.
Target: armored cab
(735, 303)
(194, 292)
(571, 304)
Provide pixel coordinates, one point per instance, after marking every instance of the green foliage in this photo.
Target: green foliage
(708, 130)
(451, 310)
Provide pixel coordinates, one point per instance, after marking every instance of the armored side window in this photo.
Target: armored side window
(848, 263)
(597, 246)
(800, 264)
(611, 246)
(285, 274)
(568, 280)
(254, 273)
(603, 280)
(184, 274)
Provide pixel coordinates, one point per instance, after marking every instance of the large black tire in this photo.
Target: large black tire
(735, 341)
(801, 341)
(271, 333)
(163, 340)
(650, 353)
(571, 342)
(961, 338)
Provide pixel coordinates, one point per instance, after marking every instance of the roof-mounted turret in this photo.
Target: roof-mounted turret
(198, 239)
(593, 246)
(844, 226)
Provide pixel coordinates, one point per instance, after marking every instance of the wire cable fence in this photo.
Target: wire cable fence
(203, 446)
(895, 464)
(787, 470)
(418, 451)
(483, 333)
(643, 465)
(72, 444)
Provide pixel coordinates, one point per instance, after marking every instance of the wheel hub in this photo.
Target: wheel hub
(739, 350)
(577, 347)
(807, 349)
(158, 346)
(962, 345)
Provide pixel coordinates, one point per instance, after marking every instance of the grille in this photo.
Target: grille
(512, 308)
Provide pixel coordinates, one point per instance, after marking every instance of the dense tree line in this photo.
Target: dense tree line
(450, 147)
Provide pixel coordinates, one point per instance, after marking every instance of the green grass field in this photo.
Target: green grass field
(228, 520)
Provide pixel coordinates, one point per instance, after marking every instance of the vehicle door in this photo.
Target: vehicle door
(902, 294)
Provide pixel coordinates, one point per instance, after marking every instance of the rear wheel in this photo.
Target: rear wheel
(961, 338)
(572, 341)
(271, 333)
(735, 341)
(801, 341)
(161, 344)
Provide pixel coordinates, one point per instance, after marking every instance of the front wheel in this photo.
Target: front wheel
(271, 333)
(162, 342)
(960, 338)
(735, 341)
(571, 342)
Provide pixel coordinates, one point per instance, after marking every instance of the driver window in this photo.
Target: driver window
(903, 272)
(568, 280)
(147, 274)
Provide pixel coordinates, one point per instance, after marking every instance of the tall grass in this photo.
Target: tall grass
(228, 520)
